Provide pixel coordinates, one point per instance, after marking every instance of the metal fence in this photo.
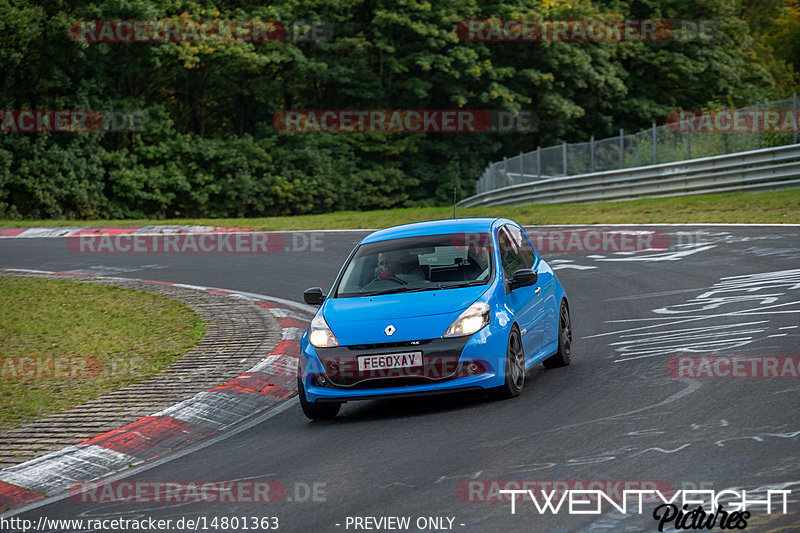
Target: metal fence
(765, 169)
(654, 146)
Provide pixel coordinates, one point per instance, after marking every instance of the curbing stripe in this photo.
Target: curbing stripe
(280, 312)
(218, 408)
(70, 231)
(268, 383)
(292, 322)
(45, 232)
(292, 333)
(97, 231)
(57, 471)
(259, 381)
(278, 365)
(13, 496)
(151, 436)
(287, 347)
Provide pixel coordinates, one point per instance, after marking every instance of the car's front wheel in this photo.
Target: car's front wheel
(515, 368)
(562, 356)
(316, 410)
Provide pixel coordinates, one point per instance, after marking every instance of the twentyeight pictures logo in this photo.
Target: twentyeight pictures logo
(684, 509)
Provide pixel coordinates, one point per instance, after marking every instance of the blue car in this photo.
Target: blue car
(433, 307)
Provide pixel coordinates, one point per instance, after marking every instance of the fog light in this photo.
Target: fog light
(320, 381)
(471, 369)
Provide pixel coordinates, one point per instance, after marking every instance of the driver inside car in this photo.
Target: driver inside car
(400, 266)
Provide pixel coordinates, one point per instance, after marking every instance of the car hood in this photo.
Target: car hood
(415, 315)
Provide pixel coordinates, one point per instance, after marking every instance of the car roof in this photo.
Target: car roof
(433, 227)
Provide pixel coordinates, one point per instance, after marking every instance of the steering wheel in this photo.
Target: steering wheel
(393, 277)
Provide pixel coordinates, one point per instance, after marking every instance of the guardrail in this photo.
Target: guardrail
(766, 169)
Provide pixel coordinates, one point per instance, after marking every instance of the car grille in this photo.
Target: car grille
(440, 362)
(411, 345)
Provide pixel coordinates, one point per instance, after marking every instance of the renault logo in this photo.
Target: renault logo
(390, 329)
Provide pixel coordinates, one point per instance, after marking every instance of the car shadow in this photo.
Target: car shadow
(396, 408)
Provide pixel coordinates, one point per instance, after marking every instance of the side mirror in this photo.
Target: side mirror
(523, 277)
(313, 296)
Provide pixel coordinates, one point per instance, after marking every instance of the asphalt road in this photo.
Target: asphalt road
(615, 414)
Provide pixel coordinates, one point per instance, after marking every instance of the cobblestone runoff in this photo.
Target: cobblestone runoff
(238, 335)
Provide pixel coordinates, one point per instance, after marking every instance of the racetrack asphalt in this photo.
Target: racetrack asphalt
(615, 414)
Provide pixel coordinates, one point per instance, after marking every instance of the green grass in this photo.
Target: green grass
(776, 207)
(94, 339)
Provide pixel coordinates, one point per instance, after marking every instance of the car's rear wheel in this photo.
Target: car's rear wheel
(515, 368)
(316, 410)
(562, 356)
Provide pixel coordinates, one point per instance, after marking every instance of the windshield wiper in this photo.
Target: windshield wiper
(438, 287)
(465, 284)
(400, 290)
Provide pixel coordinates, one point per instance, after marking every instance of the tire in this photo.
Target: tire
(316, 410)
(515, 369)
(562, 356)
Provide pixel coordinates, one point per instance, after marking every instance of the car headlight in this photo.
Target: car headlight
(471, 320)
(321, 335)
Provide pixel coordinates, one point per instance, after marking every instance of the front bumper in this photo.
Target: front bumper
(449, 365)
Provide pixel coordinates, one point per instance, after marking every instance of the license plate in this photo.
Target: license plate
(390, 360)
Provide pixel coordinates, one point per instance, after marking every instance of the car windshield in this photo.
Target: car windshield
(415, 264)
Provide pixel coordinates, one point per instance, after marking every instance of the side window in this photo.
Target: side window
(523, 246)
(510, 259)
